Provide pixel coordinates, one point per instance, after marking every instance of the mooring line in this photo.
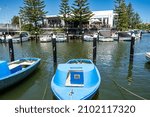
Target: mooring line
(44, 92)
(128, 90)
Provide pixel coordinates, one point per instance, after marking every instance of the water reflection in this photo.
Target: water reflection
(147, 66)
(130, 77)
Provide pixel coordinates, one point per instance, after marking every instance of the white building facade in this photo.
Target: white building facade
(99, 19)
(102, 18)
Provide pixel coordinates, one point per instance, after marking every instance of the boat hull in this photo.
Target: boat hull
(18, 76)
(86, 91)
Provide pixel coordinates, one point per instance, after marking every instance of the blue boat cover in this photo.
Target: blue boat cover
(4, 70)
(76, 77)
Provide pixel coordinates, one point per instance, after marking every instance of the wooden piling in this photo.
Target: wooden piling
(67, 36)
(21, 39)
(118, 37)
(5, 38)
(98, 36)
(36, 38)
(141, 35)
(54, 47)
(82, 35)
(132, 47)
(11, 50)
(94, 48)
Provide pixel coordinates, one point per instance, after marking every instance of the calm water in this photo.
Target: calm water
(112, 61)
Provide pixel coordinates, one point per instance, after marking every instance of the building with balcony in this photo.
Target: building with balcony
(98, 20)
(102, 19)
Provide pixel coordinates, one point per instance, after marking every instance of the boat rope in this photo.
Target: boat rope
(44, 92)
(140, 97)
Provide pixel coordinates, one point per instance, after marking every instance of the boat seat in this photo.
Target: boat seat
(12, 66)
(27, 63)
(15, 67)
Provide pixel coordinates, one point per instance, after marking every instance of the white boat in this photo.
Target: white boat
(114, 36)
(16, 38)
(88, 38)
(60, 37)
(105, 36)
(137, 34)
(123, 36)
(147, 55)
(45, 38)
(105, 39)
(7, 38)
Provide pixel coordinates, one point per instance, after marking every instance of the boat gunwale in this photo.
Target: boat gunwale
(37, 60)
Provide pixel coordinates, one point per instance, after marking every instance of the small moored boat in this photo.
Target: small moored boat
(16, 71)
(147, 55)
(123, 36)
(78, 79)
(60, 37)
(16, 38)
(45, 38)
(88, 38)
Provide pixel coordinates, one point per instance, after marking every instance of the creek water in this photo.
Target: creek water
(121, 79)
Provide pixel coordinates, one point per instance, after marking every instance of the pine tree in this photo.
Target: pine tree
(33, 11)
(81, 12)
(65, 10)
(122, 16)
(136, 20)
(15, 20)
(130, 12)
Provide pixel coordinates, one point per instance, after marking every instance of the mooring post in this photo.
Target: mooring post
(82, 35)
(36, 38)
(94, 48)
(11, 50)
(67, 35)
(132, 47)
(98, 35)
(21, 39)
(54, 49)
(141, 35)
(4, 37)
(118, 37)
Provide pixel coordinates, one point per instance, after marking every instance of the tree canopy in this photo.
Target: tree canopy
(15, 20)
(33, 11)
(126, 17)
(81, 12)
(64, 9)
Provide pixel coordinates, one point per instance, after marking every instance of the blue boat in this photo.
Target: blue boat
(13, 72)
(78, 79)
